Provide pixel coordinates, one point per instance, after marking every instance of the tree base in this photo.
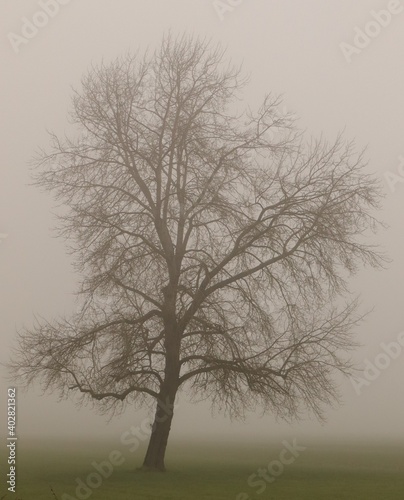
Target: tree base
(148, 468)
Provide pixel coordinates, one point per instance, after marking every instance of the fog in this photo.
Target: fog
(291, 48)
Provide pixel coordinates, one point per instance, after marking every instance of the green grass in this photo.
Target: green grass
(213, 472)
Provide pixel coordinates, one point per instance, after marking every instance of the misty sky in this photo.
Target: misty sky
(288, 47)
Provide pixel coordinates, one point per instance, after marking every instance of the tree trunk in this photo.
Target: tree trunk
(154, 459)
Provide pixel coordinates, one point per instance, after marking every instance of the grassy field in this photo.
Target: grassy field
(211, 472)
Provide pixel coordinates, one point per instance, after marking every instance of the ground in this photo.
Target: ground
(333, 471)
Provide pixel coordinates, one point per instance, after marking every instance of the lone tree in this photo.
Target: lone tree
(213, 245)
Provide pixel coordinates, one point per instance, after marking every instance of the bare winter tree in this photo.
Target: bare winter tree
(213, 245)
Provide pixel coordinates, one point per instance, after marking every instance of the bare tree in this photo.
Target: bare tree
(222, 241)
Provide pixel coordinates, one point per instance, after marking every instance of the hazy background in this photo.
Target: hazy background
(288, 47)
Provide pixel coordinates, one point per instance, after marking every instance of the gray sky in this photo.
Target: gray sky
(292, 48)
